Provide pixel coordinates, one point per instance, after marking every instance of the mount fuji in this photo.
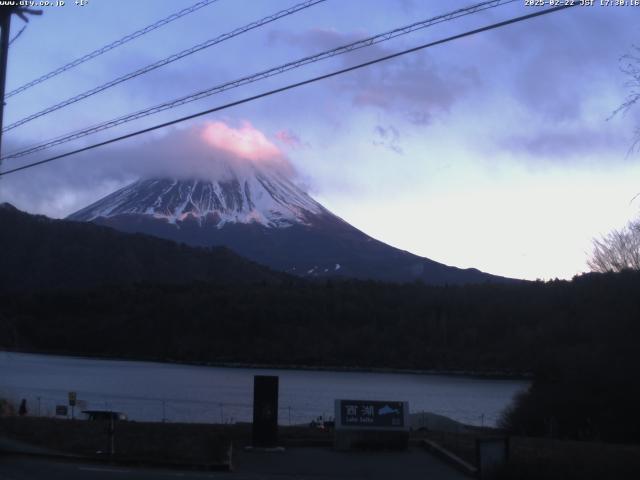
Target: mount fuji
(262, 215)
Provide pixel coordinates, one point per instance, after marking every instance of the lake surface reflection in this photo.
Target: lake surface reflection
(156, 391)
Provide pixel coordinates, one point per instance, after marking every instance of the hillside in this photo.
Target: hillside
(38, 253)
(263, 216)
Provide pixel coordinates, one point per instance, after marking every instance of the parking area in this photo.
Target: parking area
(325, 463)
(293, 463)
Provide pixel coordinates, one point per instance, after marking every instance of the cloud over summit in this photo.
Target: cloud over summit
(209, 151)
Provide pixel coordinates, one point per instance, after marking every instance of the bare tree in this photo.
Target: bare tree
(618, 250)
(630, 65)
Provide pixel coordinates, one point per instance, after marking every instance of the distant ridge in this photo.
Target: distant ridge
(37, 252)
(262, 215)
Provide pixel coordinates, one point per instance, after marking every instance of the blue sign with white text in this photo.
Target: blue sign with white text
(370, 413)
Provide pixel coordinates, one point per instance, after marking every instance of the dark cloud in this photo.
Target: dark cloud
(171, 81)
(416, 87)
(563, 144)
(388, 137)
(612, 139)
(562, 60)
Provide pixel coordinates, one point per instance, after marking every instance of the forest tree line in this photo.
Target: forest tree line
(579, 337)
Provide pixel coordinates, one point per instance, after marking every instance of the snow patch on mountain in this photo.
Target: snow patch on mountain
(255, 196)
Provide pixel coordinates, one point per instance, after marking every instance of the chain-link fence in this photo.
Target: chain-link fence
(55, 403)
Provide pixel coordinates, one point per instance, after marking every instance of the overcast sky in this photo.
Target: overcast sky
(495, 151)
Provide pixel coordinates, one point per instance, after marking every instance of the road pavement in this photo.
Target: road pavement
(33, 468)
(292, 464)
(325, 464)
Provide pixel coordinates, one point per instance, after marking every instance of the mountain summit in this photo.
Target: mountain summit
(266, 199)
(264, 216)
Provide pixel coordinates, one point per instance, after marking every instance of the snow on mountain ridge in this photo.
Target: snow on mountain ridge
(266, 198)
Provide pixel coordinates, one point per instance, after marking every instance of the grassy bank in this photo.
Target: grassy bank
(140, 441)
(180, 443)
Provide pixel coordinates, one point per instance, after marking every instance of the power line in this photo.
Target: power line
(293, 85)
(112, 45)
(379, 38)
(16, 36)
(166, 61)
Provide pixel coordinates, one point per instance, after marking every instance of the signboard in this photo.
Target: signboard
(265, 411)
(372, 414)
(72, 399)
(62, 410)
(371, 423)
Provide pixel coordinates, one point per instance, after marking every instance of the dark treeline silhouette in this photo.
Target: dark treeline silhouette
(37, 252)
(580, 338)
(587, 386)
(77, 288)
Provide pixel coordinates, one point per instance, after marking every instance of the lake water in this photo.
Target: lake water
(156, 391)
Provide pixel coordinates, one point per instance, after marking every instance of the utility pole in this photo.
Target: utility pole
(5, 25)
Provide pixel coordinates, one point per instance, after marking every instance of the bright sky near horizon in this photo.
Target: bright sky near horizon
(495, 151)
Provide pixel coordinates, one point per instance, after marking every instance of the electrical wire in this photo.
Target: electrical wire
(17, 35)
(111, 46)
(165, 61)
(382, 37)
(294, 85)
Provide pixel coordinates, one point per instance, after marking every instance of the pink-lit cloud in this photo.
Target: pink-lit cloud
(210, 150)
(244, 142)
(289, 138)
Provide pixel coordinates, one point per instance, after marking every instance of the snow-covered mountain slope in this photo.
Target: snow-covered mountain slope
(263, 198)
(265, 217)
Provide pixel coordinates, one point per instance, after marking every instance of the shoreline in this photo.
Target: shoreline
(488, 375)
